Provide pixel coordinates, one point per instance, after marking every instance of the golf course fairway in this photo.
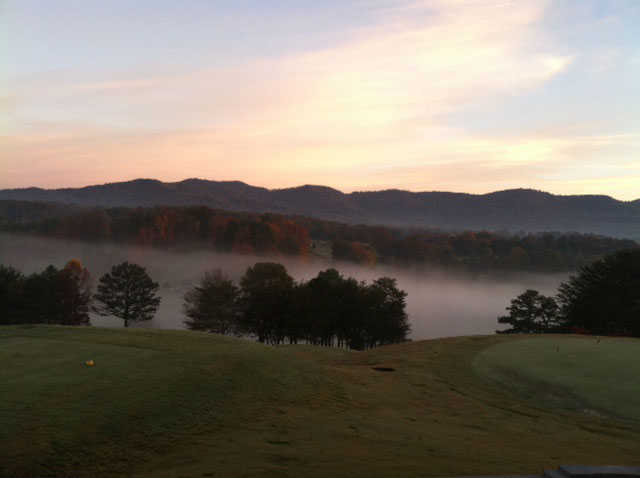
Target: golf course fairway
(175, 403)
(598, 375)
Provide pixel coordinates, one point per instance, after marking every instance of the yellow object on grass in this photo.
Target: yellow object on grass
(89, 363)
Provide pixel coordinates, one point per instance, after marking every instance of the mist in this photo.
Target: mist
(439, 303)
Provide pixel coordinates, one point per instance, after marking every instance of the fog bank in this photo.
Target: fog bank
(439, 303)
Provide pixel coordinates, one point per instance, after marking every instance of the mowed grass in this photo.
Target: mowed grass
(592, 374)
(169, 403)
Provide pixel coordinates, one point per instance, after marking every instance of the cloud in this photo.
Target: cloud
(387, 73)
(128, 85)
(562, 164)
(368, 113)
(398, 76)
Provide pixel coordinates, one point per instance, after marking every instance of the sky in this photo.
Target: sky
(446, 95)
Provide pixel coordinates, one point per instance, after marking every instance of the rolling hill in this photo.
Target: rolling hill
(511, 210)
(170, 403)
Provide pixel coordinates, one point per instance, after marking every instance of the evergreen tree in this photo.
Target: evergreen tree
(40, 299)
(127, 292)
(74, 293)
(11, 287)
(388, 320)
(531, 312)
(213, 305)
(50, 297)
(267, 302)
(604, 297)
(328, 310)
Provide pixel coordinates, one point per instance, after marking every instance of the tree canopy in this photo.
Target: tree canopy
(53, 296)
(213, 304)
(266, 297)
(253, 233)
(328, 310)
(531, 312)
(604, 297)
(11, 284)
(127, 292)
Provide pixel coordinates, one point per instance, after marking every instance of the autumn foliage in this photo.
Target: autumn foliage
(275, 234)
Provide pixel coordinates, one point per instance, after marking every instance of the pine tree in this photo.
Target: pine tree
(531, 312)
(212, 306)
(604, 297)
(127, 292)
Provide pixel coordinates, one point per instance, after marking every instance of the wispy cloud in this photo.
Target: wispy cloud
(369, 112)
(388, 72)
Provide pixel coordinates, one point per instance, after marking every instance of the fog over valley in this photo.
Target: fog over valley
(439, 303)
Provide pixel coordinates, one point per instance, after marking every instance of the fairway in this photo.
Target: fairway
(171, 403)
(595, 375)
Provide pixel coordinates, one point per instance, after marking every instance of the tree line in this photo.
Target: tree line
(252, 233)
(267, 304)
(53, 296)
(603, 298)
(328, 310)
(64, 296)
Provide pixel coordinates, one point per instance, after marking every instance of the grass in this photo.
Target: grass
(595, 375)
(170, 403)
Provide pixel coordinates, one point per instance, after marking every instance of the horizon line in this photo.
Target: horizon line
(318, 186)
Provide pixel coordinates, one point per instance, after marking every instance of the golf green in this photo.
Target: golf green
(599, 375)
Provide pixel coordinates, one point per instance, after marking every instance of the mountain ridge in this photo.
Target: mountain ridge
(509, 210)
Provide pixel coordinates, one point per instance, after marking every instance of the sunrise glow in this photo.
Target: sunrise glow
(463, 95)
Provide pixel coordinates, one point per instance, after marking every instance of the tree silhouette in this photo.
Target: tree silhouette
(11, 303)
(74, 286)
(213, 304)
(332, 307)
(127, 292)
(52, 296)
(389, 321)
(328, 310)
(267, 295)
(604, 297)
(531, 312)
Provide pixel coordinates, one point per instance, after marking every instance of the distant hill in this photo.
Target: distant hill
(511, 210)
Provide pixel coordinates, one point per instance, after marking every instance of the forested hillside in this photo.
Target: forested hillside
(274, 234)
(512, 210)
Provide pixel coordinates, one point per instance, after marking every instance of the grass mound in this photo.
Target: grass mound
(591, 374)
(170, 403)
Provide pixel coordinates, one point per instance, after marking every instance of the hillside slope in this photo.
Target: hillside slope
(511, 210)
(162, 403)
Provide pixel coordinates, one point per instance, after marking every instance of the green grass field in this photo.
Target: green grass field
(171, 404)
(596, 375)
